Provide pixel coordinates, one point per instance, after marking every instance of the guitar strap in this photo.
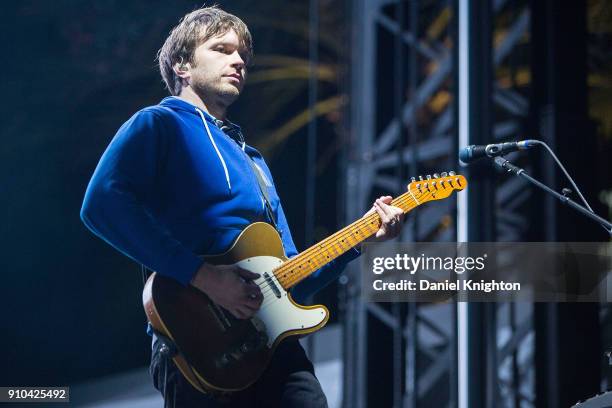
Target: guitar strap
(233, 131)
(264, 191)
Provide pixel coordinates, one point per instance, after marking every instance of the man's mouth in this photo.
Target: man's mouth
(237, 77)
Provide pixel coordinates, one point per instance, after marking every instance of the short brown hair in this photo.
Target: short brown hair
(193, 29)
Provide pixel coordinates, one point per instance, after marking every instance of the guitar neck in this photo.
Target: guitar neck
(301, 266)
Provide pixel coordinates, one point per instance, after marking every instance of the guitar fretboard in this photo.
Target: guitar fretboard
(298, 268)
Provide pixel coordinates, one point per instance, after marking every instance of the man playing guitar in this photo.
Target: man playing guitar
(178, 181)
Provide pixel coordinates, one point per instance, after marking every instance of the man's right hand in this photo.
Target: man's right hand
(230, 287)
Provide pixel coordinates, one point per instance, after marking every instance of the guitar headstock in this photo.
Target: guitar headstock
(436, 187)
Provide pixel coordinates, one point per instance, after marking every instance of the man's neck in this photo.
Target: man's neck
(193, 98)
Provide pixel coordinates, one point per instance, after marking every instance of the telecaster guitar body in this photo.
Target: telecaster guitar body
(217, 352)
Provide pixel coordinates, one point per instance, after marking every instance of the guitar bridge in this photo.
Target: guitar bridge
(272, 285)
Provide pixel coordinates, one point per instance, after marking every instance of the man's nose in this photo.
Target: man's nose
(237, 60)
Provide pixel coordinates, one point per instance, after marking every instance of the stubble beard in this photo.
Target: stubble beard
(215, 89)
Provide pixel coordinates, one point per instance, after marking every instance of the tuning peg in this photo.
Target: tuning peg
(451, 173)
(420, 178)
(428, 177)
(436, 175)
(412, 179)
(444, 174)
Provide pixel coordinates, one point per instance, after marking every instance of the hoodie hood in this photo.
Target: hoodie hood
(178, 104)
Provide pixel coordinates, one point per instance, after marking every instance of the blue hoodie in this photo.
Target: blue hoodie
(172, 185)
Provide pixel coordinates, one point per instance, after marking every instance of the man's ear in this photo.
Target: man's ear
(182, 69)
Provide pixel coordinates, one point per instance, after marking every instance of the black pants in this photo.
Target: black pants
(288, 382)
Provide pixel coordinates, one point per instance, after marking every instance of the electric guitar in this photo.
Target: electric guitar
(218, 353)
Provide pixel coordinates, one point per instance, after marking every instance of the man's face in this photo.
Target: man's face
(219, 69)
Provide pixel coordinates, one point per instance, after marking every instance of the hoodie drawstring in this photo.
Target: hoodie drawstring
(227, 177)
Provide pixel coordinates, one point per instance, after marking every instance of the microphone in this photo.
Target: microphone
(475, 152)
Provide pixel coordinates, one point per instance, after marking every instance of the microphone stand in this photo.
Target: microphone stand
(511, 168)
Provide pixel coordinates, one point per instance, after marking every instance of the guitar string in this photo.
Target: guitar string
(405, 200)
(317, 253)
(267, 287)
(314, 251)
(359, 223)
(316, 248)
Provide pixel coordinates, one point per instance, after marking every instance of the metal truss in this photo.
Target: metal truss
(514, 321)
(382, 161)
(420, 137)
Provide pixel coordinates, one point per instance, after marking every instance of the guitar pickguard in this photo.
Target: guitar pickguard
(279, 314)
